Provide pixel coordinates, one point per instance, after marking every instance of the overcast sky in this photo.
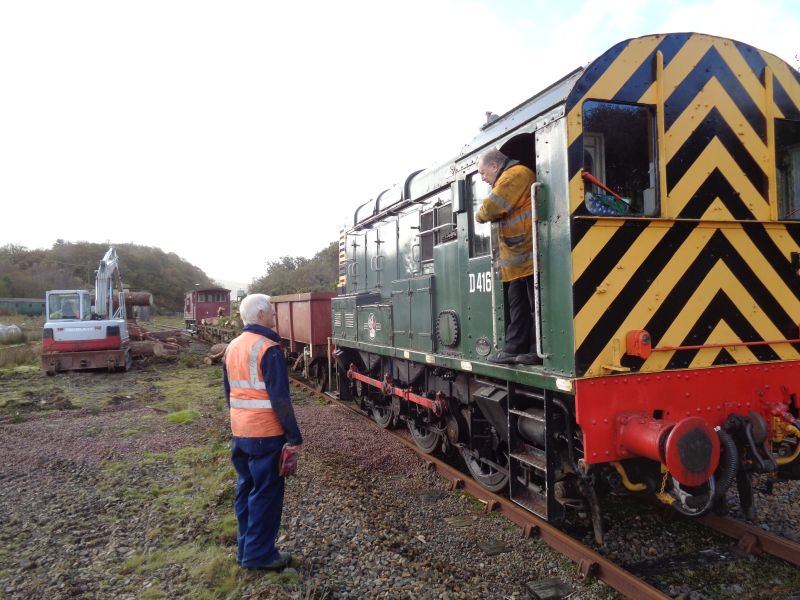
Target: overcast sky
(234, 133)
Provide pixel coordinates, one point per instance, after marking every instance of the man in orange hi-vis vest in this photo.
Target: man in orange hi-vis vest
(263, 422)
(509, 205)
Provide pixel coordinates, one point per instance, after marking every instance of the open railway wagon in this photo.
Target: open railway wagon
(304, 323)
(666, 230)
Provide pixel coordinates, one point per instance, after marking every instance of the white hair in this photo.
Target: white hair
(250, 305)
(492, 156)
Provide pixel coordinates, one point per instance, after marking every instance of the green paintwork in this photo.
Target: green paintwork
(344, 322)
(387, 278)
(532, 376)
(554, 248)
(375, 324)
(421, 300)
(448, 285)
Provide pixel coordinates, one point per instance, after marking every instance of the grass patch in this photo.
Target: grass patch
(199, 529)
(225, 530)
(183, 417)
(190, 360)
(191, 456)
(116, 467)
(154, 457)
(155, 561)
(21, 371)
(22, 355)
(185, 390)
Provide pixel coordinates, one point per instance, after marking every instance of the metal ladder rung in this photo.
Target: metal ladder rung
(527, 415)
(535, 460)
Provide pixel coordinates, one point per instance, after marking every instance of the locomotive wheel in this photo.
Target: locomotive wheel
(383, 415)
(484, 473)
(425, 439)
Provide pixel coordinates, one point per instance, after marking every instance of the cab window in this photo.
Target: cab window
(480, 233)
(619, 159)
(787, 162)
(64, 306)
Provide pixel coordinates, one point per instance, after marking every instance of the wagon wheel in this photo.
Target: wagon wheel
(318, 371)
(484, 472)
(425, 438)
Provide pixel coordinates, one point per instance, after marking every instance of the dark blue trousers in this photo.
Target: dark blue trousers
(259, 498)
(520, 332)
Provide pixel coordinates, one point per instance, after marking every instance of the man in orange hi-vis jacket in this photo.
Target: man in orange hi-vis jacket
(509, 205)
(262, 421)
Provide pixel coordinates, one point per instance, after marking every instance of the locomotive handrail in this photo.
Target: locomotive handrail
(376, 262)
(723, 345)
(536, 301)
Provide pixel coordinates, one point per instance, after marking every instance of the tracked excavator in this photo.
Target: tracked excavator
(81, 335)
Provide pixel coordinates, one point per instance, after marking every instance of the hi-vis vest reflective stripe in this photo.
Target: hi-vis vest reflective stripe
(509, 205)
(251, 409)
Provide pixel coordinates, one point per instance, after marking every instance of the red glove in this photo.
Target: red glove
(290, 457)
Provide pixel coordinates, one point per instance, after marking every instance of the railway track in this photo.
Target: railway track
(750, 539)
(589, 562)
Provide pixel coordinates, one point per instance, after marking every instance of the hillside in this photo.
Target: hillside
(29, 273)
(295, 274)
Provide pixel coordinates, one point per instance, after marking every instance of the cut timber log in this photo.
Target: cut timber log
(170, 335)
(147, 348)
(138, 298)
(217, 348)
(132, 299)
(215, 354)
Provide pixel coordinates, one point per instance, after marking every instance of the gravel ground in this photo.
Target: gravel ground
(80, 499)
(369, 521)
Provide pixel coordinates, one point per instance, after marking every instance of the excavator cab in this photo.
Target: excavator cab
(68, 305)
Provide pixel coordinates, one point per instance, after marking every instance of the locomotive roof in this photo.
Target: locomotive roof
(420, 183)
(565, 92)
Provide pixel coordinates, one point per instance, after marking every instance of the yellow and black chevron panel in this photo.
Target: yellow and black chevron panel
(710, 274)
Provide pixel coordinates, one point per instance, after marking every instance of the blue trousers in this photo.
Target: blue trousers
(520, 334)
(259, 498)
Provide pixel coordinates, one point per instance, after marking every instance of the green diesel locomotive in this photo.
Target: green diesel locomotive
(666, 227)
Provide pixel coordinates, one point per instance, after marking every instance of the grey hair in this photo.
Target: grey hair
(250, 305)
(492, 156)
